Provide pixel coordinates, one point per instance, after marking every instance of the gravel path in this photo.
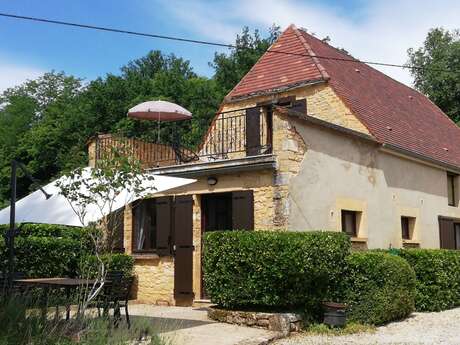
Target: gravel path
(441, 328)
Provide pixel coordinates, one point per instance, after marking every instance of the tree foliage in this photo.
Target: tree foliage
(230, 68)
(436, 70)
(46, 123)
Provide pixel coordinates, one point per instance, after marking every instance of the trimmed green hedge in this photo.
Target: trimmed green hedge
(44, 250)
(49, 230)
(112, 262)
(271, 269)
(48, 256)
(438, 277)
(378, 287)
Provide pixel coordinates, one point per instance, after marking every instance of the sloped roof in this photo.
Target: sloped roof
(275, 71)
(394, 113)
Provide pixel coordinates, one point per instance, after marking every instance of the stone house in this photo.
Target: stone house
(308, 139)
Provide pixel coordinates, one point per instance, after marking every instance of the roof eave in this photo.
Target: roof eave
(269, 92)
(390, 148)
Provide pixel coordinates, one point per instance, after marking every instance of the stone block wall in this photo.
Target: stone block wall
(277, 322)
(154, 280)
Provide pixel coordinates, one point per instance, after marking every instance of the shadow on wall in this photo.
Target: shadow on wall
(397, 172)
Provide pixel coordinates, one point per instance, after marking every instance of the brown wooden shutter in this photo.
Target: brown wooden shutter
(183, 238)
(446, 233)
(252, 131)
(116, 222)
(163, 207)
(243, 210)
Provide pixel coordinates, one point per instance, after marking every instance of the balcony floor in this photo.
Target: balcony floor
(221, 166)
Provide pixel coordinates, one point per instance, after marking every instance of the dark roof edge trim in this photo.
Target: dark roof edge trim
(268, 92)
(330, 125)
(390, 148)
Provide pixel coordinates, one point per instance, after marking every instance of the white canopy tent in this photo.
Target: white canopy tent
(35, 208)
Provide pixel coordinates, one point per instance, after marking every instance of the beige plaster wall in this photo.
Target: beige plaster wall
(340, 172)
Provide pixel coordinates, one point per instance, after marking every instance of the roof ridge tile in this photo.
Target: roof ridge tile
(310, 52)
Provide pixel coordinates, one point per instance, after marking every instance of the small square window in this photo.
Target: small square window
(451, 197)
(350, 223)
(407, 227)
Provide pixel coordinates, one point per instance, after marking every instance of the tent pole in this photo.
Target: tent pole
(12, 230)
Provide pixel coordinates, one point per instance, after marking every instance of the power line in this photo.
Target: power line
(208, 43)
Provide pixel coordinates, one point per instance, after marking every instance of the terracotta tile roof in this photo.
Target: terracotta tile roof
(394, 113)
(275, 71)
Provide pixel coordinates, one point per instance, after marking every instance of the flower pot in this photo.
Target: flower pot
(334, 314)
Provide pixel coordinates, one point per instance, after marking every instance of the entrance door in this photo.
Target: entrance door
(457, 235)
(217, 211)
(216, 214)
(226, 211)
(449, 233)
(183, 243)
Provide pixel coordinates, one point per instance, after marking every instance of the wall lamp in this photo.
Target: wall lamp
(212, 181)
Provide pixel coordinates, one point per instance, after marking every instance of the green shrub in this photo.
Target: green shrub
(273, 269)
(378, 287)
(112, 262)
(438, 277)
(43, 250)
(49, 230)
(48, 256)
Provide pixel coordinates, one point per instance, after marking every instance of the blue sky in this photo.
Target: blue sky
(371, 30)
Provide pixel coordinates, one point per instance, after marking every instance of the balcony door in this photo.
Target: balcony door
(253, 144)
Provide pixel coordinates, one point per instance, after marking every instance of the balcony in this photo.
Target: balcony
(233, 135)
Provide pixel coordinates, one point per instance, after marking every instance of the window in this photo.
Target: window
(217, 211)
(116, 230)
(407, 227)
(451, 197)
(457, 235)
(145, 226)
(228, 211)
(349, 222)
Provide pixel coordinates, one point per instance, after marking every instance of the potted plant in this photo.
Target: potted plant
(334, 314)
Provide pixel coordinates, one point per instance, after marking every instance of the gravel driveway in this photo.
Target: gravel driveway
(421, 328)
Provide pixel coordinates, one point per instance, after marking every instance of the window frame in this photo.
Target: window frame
(354, 214)
(451, 190)
(134, 249)
(410, 227)
(457, 235)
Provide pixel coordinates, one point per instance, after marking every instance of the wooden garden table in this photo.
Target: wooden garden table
(57, 283)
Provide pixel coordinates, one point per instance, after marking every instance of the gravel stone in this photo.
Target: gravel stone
(441, 328)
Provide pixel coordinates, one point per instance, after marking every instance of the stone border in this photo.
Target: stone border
(284, 323)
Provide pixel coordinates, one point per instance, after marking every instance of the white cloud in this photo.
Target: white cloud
(12, 74)
(383, 30)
